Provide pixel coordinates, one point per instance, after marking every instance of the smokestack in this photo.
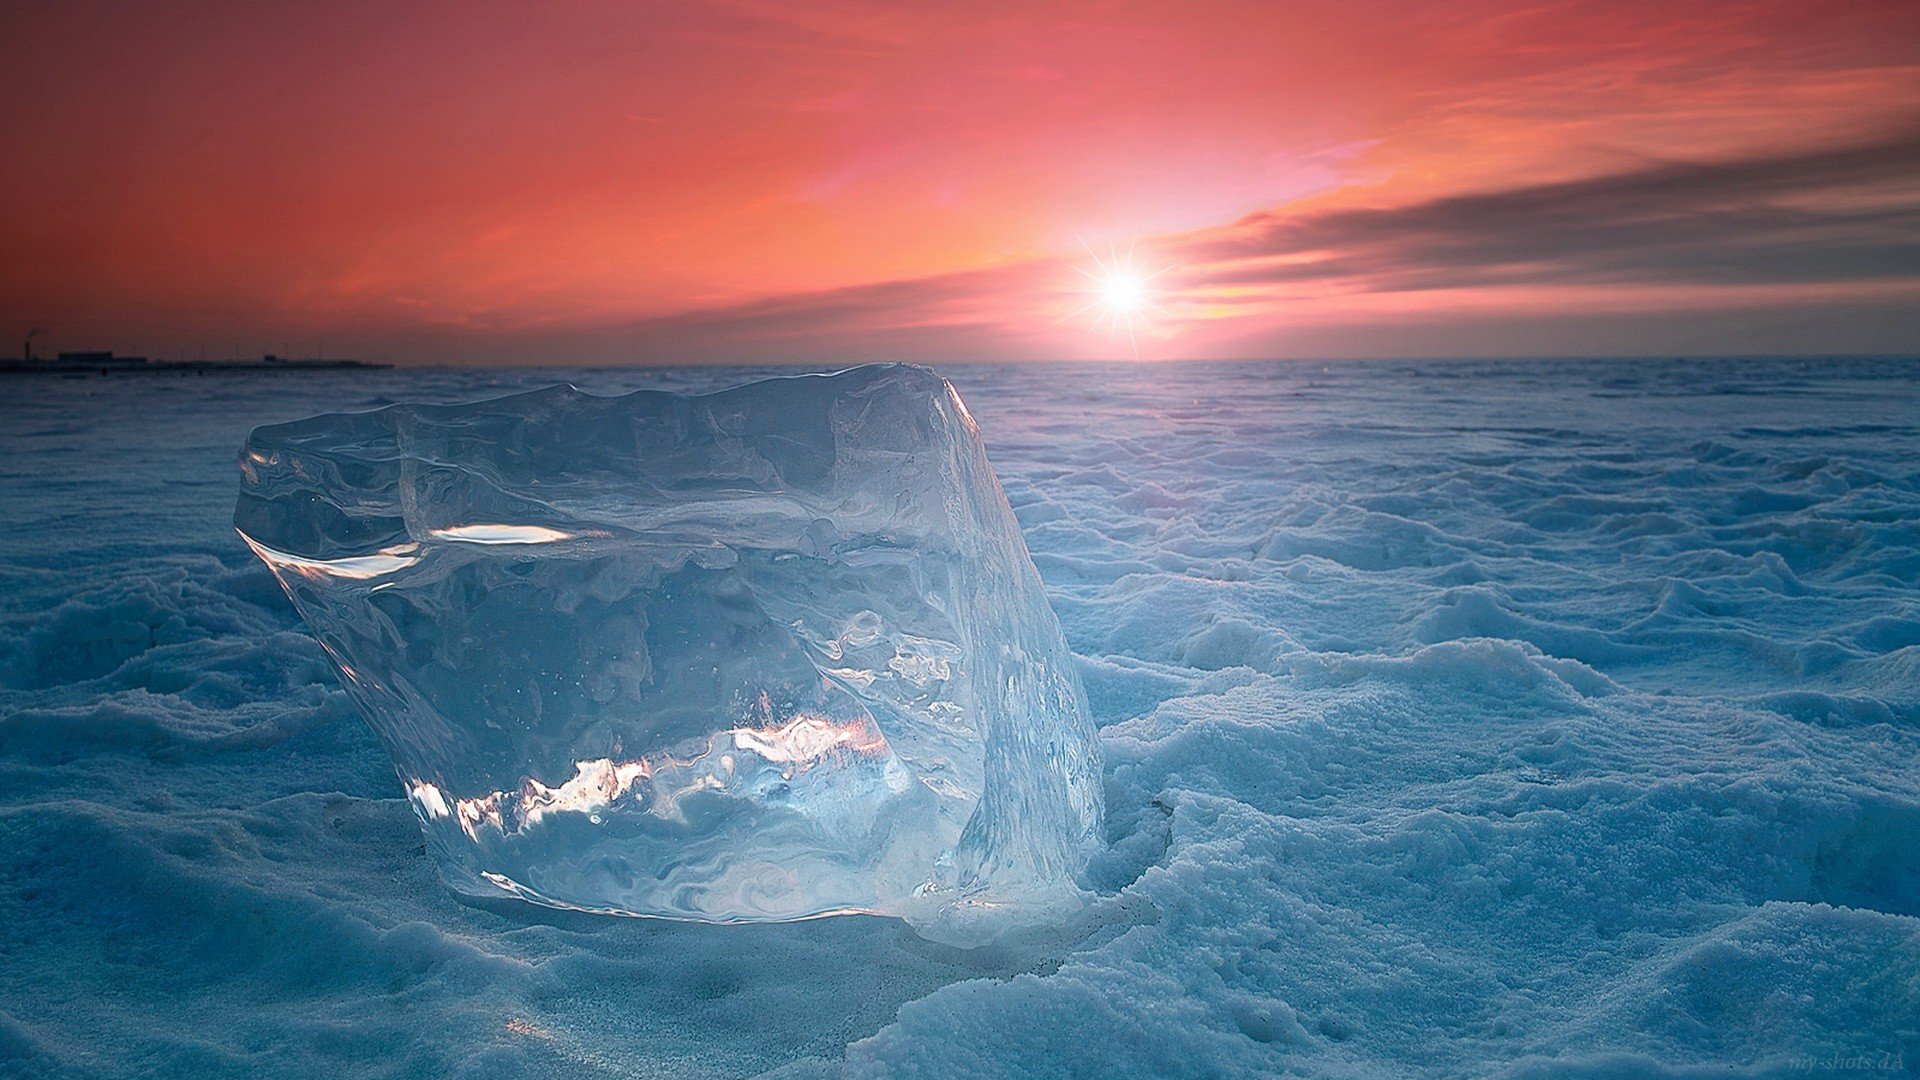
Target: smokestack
(26, 347)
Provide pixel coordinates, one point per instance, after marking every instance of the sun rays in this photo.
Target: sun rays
(1121, 295)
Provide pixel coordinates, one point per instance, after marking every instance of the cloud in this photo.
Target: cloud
(1835, 228)
(1850, 214)
(963, 315)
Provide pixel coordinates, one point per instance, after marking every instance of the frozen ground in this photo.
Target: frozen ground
(1559, 719)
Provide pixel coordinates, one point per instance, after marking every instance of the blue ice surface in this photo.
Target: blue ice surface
(754, 656)
(1461, 719)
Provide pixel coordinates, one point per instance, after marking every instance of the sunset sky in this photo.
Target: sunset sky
(757, 181)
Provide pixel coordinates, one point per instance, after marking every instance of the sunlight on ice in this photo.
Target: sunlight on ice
(801, 744)
(502, 534)
(357, 568)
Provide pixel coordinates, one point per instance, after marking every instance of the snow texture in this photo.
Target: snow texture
(755, 655)
(1530, 719)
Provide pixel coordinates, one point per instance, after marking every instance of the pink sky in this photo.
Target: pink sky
(677, 182)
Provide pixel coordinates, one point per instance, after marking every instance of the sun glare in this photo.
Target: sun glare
(1120, 294)
(1123, 291)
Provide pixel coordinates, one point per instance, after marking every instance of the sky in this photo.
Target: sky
(750, 181)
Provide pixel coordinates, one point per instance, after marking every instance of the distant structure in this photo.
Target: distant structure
(104, 362)
(99, 359)
(26, 347)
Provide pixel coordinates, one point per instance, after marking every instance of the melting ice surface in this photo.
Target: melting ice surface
(762, 654)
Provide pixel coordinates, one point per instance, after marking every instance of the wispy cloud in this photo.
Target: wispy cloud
(1839, 226)
(1845, 214)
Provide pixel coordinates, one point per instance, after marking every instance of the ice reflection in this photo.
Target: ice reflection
(502, 534)
(428, 798)
(389, 560)
(731, 759)
(354, 567)
(809, 738)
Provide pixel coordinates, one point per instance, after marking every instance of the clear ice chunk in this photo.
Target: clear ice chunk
(762, 654)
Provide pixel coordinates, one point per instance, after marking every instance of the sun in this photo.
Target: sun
(1123, 292)
(1120, 291)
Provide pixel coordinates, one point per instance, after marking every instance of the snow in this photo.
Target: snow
(756, 655)
(1534, 718)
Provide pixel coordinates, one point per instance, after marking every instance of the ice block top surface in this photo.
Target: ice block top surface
(851, 448)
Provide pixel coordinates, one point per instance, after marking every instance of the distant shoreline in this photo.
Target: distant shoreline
(181, 367)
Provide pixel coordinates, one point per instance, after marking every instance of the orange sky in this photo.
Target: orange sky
(757, 181)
